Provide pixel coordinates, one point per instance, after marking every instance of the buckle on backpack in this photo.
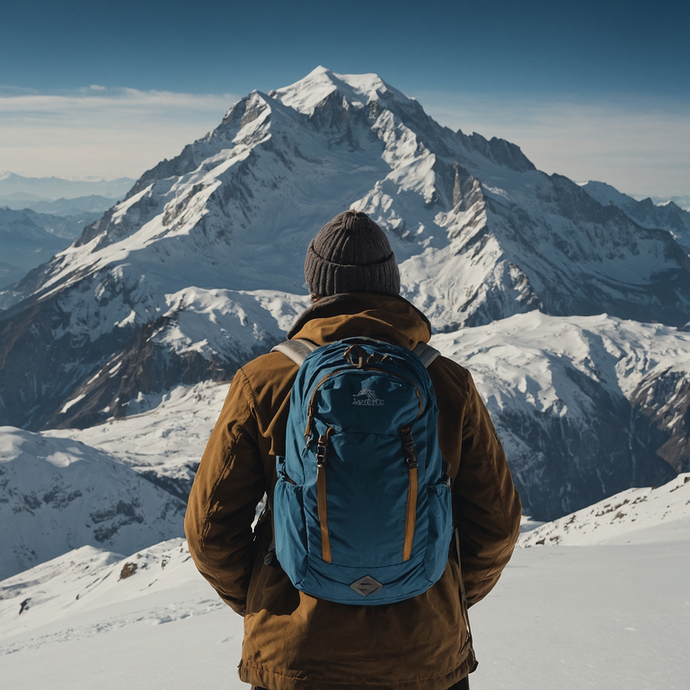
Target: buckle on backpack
(355, 355)
(359, 357)
(408, 445)
(322, 447)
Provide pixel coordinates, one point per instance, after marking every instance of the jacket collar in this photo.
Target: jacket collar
(384, 317)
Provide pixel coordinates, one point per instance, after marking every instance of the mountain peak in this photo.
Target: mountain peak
(357, 89)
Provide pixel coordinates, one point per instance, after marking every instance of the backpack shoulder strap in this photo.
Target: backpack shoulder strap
(296, 350)
(426, 353)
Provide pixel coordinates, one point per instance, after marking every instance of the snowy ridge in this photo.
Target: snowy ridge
(59, 494)
(668, 216)
(644, 515)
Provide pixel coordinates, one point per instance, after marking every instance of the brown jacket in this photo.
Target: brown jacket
(293, 640)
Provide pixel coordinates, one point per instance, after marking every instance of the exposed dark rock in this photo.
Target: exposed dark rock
(128, 569)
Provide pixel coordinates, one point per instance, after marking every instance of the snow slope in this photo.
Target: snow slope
(560, 617)
(163, 444)
(639, 515)
(59, 494)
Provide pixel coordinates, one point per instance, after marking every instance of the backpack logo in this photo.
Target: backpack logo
(368, 398)
(366, 585)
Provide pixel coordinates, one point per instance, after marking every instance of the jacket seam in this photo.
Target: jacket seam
(247, 387)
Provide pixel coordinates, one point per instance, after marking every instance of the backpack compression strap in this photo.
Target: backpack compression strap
(298, 349)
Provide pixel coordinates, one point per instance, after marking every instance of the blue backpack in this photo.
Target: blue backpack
(362, 503)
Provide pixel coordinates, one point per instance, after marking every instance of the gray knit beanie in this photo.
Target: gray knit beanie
(351, 254)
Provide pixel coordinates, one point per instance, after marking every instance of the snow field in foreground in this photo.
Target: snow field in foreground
(562, 618)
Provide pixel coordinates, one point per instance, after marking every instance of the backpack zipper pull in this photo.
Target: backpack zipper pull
(408, 445)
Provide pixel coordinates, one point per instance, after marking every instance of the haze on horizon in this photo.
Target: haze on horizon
(591, 90)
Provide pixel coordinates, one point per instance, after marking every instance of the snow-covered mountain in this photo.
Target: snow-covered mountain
(585, 407)
(645, 212)
(201, 268)
(59, 494)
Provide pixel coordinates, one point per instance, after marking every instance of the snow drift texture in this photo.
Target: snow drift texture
(201, 268)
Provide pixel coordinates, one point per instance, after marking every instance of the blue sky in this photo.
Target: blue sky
(595, 90)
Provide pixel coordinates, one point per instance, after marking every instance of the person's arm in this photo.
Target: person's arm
(227, 488)
(486, 505)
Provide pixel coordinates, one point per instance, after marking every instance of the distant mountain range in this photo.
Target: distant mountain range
(29, 239)
(19, 188)
(25, 243)
(29, 203)
(682, 201)
(93, 205)
(567, 305)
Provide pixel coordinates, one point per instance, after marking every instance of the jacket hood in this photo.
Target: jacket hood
(383, 317)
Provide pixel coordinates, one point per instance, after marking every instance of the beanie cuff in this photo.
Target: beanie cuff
(329, 278)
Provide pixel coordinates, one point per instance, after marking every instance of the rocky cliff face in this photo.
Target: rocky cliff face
(200, 267)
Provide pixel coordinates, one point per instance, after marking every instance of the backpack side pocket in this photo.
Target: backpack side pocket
(290, 530)
(440, 530)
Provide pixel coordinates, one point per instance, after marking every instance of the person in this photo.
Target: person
(293, 640)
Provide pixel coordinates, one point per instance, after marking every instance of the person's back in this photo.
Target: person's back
(296, 640)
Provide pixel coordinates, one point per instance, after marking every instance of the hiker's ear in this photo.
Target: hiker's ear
(315, 298)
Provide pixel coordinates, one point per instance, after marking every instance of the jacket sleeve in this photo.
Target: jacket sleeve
(486, 504)
(227, 488)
